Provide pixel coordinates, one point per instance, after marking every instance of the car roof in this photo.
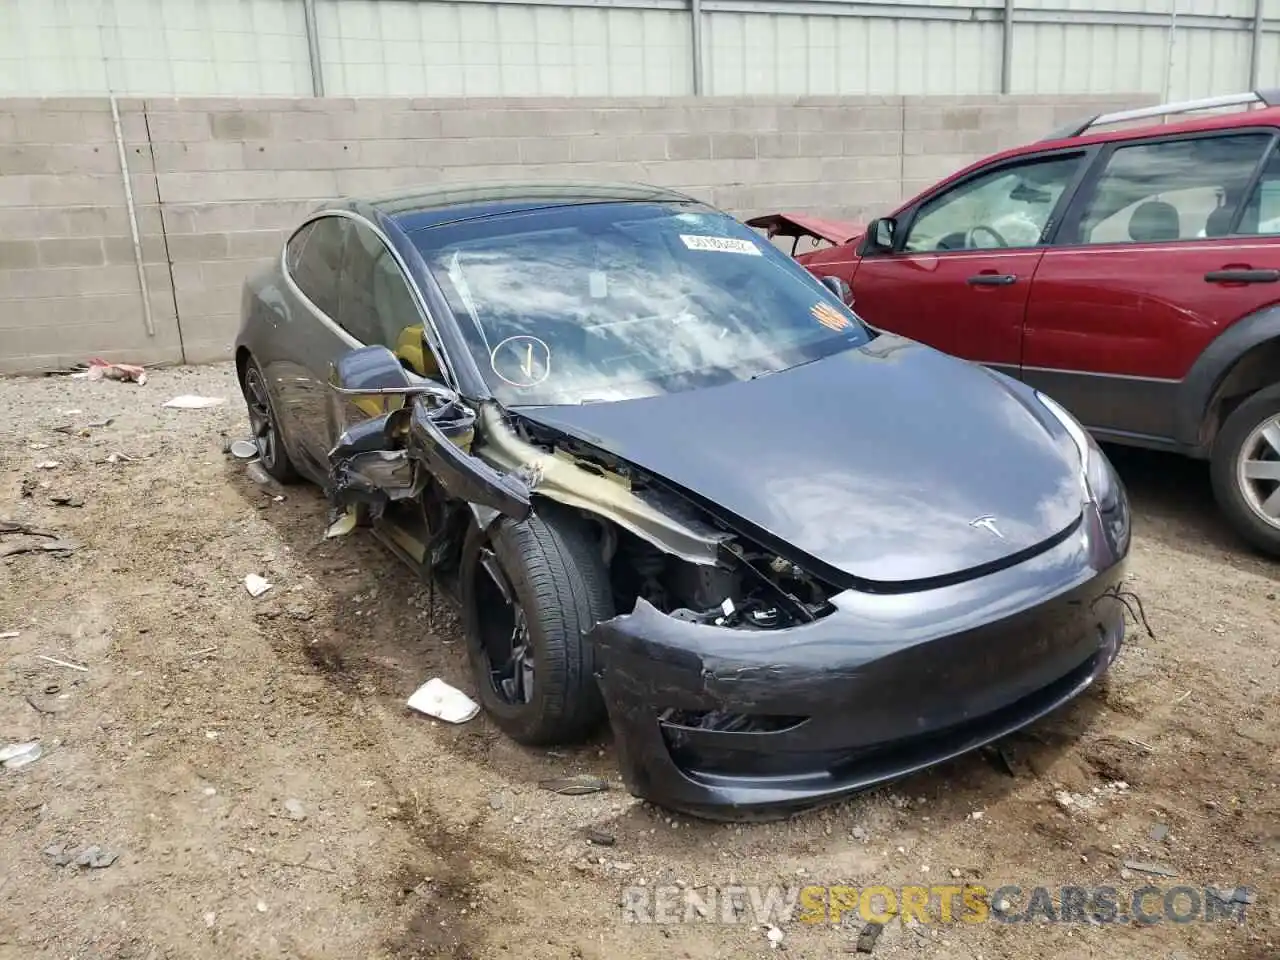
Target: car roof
(419, 208)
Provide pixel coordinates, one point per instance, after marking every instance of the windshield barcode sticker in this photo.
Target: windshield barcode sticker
(720, 244)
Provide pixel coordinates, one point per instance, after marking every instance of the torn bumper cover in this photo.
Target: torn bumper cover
(722, 723)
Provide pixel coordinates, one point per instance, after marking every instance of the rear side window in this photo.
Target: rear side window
(1172, 190)
(314, 256)
(375, 304)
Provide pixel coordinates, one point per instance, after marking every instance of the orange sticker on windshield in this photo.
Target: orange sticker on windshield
(830, 317)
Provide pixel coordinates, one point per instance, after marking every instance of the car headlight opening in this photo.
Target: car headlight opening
(1096, 475)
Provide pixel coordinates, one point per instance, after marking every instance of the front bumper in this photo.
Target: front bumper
(727, 724)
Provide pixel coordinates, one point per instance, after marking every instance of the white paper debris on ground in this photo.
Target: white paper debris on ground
(17, 755)
(48, 464)
(256, 585)
(191, 401)
(437, 699)
(9, 635)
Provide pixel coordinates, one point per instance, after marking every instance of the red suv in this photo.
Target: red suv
(1133, 275)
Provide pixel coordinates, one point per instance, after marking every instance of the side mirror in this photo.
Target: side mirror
(370, 382)
(880, 237)
(839, 287)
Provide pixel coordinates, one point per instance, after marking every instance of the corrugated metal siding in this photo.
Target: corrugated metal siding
(388, 47)
(50, 47)
(1050, 58)
(468, 48)
(751, 53)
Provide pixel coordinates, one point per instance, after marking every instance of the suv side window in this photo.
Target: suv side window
(313, 256)
(376, 305)
(1262, 213)
(1171, 190)
(1008, 207)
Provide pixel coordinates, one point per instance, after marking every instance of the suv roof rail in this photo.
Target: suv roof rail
(1268, 98)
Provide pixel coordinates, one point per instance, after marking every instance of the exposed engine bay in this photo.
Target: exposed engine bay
(745, 587)
(655, 542)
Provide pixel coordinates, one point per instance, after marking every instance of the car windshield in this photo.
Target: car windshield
(613, 301)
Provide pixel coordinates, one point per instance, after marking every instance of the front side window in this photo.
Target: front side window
(1008, 207)
(612, 301)
(314, 257)
(1172, 190)
(376, 306)
(1261, 216)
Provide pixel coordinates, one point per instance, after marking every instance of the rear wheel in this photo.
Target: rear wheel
(530, 593)
(265, 426)
(1246, 469)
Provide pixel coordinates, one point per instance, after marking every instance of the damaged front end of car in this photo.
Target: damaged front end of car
(738, 683)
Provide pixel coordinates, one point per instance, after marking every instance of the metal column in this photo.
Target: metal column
(1255, 45)
(695, 41)
(1006, 50)
(313, 48)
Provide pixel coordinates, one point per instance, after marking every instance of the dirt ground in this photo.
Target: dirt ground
(268, 794)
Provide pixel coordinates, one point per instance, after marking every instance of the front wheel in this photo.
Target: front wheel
(1246, 469)
(530, 593)
(264, 424)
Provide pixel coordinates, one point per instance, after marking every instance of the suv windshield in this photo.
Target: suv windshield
(614, 301)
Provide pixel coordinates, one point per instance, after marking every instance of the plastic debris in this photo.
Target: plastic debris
(127, 372)
(868, 937)
(191, 401)
(342, 526)
(256, 585)
(66, 500)
(9, 635)
(62, 663)
(18, 755)
(105, 422)
(96, 858)
(775, 936)
(575, 786)
(243, 449)
(294, 809)
(258, 474)
(1158, 869)
(437, 699)
(48, 464)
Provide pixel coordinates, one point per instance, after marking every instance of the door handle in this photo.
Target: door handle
(1242, 276)
(992, 280)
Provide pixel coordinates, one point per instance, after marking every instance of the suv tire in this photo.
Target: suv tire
(1239, 441)
(556, 589)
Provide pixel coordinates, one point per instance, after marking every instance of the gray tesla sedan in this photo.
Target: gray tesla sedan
(673, 481)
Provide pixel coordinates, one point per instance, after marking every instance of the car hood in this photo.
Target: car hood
(877, 462)
(803, 225)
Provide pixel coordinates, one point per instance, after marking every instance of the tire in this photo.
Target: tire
(558, 580)
(1239, 440)
(266, 427)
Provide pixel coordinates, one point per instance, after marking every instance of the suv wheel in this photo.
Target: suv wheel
(1246, 469)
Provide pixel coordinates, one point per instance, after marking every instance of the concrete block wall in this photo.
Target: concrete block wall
(218, 183)
(69, 283)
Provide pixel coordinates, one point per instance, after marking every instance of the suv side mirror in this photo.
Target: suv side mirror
(880, 236)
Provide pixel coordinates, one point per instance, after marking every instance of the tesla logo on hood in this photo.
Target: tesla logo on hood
(988, 524)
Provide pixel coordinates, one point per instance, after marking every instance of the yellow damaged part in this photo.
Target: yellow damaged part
(411, 350)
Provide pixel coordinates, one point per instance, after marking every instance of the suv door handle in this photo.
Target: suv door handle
(1242, 276)
(992, 280)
